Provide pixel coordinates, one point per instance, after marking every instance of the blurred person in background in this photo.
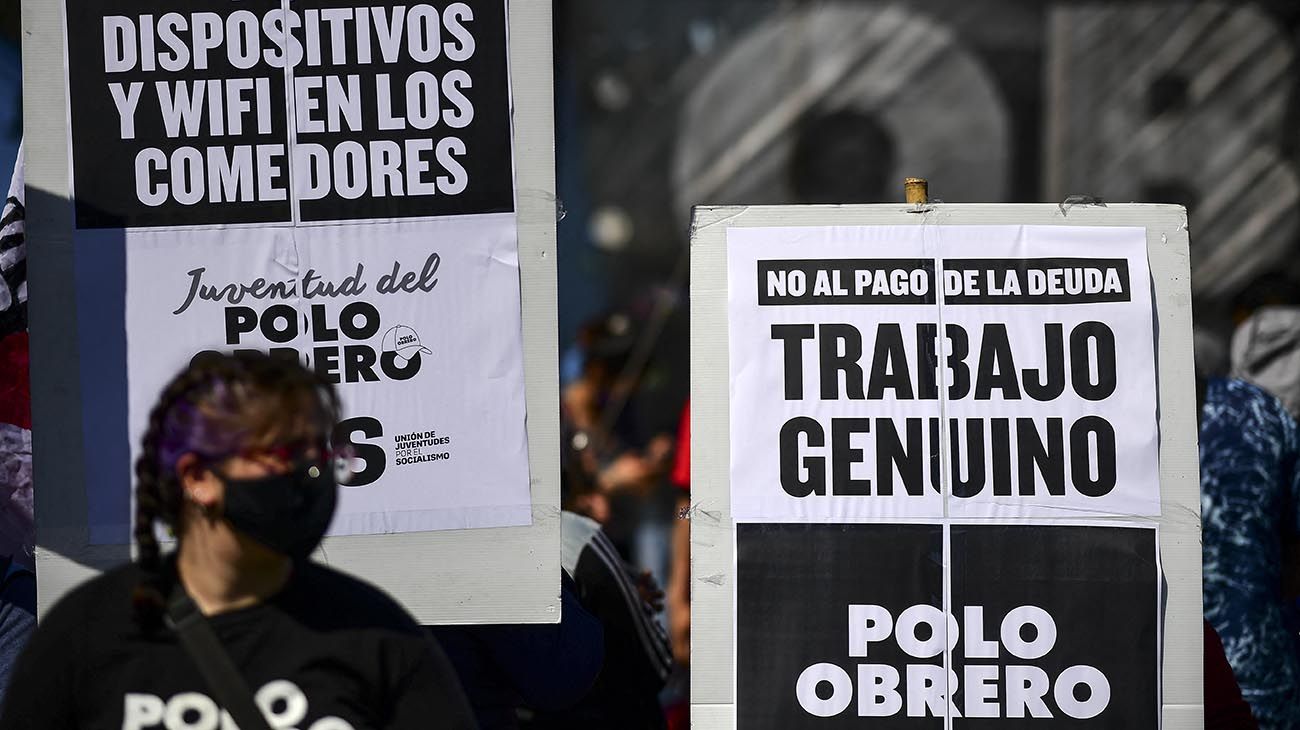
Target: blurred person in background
(637, 659)
(236, 463)
(17, 521)
(574, 357)
(1224, 707)
(511, 671)
(602, 666)
(596, 408)
(678, 591)
(1250, 505)
(679, 578)
(614, 449)
(17, 516)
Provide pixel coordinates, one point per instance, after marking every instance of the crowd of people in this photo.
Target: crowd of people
(1249, 409)
(237, 464)
(238, 627)
(235, 442)
(233, 436)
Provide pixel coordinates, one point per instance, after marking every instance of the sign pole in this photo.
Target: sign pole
(916, 191)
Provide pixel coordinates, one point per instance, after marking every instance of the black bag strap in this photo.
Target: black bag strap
(225, 681)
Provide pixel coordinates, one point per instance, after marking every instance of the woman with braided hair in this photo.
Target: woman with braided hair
(236, 464)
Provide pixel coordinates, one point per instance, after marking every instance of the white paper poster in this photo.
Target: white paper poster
(941, 371)
(331, 181)
(423, 342)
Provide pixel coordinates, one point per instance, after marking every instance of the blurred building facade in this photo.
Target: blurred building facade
(668, 104)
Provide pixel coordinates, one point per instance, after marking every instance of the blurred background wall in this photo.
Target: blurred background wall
(661, 105)
(665, 104)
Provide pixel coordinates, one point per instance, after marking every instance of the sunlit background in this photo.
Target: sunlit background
(663, 105)
(672, 103)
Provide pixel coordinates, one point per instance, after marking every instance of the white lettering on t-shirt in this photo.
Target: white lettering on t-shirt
(282, 703)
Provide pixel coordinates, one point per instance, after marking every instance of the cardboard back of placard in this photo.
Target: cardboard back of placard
(455, 576)
(745, 552)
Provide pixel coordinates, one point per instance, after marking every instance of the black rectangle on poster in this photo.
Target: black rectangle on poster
(187, 116)
(784, 282)
(132, 108)
(794, 588)
(1094, 588)
(1036, 281)
(444, 132)
(1048, 626)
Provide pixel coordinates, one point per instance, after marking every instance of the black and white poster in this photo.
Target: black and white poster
(274, 112)
(919, 625)
(332, 181)
(883, 372)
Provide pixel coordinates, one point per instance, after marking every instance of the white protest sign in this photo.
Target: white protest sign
(406, 143)
(332, 184)
(919, 431)
(422, 341)
(870, 366)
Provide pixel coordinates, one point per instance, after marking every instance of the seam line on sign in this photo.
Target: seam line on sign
(947, 611)
(931, 238)
(734, 593)
(301, 308)
(945, 456)
(290, 116)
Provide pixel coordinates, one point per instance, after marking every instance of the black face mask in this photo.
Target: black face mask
(288, 512)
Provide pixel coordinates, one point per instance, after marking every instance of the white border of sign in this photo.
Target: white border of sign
(495, 575)
(712, 531)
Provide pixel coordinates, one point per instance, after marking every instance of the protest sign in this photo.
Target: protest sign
(943, 467)
(422, 282)
(883, 363)
(421, 338)
(332, 182)
(262, 112)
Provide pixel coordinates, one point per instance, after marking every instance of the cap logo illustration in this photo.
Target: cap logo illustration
(404, 342)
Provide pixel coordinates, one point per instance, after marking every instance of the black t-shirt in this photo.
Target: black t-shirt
(328, 652)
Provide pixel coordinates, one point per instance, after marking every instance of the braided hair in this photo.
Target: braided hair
(219, 405)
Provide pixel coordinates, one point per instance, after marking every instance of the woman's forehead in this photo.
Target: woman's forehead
(283, 424)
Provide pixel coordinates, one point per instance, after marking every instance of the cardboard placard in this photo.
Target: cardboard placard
(943, 467)
(330, 181)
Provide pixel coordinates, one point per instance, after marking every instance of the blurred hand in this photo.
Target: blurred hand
(660, 451)
(626, 471)
(650, 591)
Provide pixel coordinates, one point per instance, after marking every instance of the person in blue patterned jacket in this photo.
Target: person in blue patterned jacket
(1250, 510)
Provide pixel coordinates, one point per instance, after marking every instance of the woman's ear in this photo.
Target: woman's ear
(198, 484)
